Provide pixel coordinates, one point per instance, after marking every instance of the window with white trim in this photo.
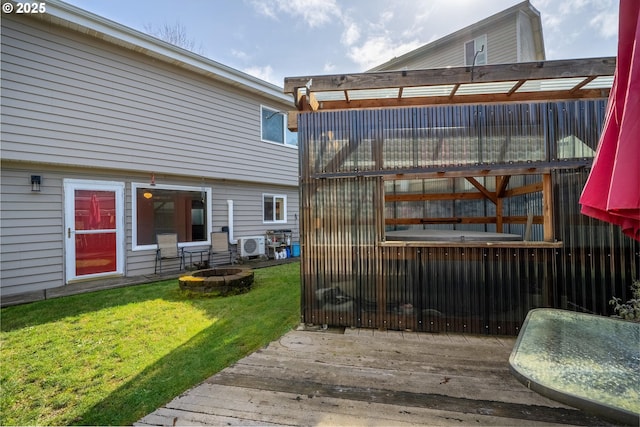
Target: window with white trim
(274, 208)
(476, 48)
(273, 127)
(170, 209)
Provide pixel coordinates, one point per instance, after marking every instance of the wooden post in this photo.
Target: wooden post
(501, 184)
(547, 207)
(499, 221)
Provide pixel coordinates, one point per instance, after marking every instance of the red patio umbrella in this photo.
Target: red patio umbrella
(612, 191)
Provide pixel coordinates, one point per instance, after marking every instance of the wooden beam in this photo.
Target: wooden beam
(451, 220)
(292, 121)
(488, 194)
(482, 74)
(430, 197)
(298, 96)
(526, 189)
(516, 219)
(454, 90)
(522, 219)
(582, 83)
(419, 197)
(534, 168)
(501, 185)
(313, 102)
(516, 87)
(436, 244)
(489, 98)
(547, 207)
(499, 218)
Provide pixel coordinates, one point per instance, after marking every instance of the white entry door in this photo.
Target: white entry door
(94, 228)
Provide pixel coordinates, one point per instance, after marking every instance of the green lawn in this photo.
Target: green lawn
(111, 357)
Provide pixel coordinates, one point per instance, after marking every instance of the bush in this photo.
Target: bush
(631, 309)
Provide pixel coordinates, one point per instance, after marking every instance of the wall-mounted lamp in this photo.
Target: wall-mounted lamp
(147, 194)
(36, 180)
(153, 180)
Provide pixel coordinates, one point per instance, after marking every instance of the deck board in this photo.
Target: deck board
(365, 377)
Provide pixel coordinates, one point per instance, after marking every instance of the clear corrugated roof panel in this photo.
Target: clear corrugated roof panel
(373, 93)
(551, 84)
(485, 88)
(335, 95)
(419, 91)
(602, 82)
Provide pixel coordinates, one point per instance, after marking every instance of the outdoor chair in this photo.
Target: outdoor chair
(220, 245)
(168, 249)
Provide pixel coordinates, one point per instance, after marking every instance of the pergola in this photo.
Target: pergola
(491, 157)
(528, 81)
(565, 80)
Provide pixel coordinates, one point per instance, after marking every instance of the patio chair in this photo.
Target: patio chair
(220, 245)
(168, 249)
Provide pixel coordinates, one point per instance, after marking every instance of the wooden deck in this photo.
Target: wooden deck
(366, 377)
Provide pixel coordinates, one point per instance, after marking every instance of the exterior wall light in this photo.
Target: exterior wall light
(36, 180)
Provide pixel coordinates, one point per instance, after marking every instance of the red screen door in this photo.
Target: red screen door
(94, 231)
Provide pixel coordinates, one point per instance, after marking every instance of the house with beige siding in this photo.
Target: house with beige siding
(110, 137)
(513, 35)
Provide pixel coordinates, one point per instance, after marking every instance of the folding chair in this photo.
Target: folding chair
(220, 245)
(168, 249)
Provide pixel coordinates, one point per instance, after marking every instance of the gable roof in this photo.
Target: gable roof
(82, 21)
(523, 7)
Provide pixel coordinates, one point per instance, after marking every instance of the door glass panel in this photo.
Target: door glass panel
(95, 253)
(95, 210)
(95, 228)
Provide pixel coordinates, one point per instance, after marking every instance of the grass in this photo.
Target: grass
(111, 357)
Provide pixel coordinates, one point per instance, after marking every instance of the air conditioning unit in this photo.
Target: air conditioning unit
(251, 246)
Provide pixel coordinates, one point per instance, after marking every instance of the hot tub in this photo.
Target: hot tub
(450, 236)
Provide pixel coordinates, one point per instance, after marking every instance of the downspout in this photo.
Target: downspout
(230, 222)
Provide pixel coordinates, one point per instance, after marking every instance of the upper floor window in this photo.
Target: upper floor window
(274, 127)
(476, 49)
(274, 208)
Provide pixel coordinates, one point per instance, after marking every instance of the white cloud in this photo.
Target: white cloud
(329, 67)
(606, 24)
(265, 73)
(567, 7)
(314, 13)
(239, 54)
(351, 34)
(265, 8)
(379, 49)
(551, 22)
(386, 16)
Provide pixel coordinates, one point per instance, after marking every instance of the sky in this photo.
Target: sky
(274, 39)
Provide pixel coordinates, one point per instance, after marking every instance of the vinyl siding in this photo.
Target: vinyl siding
(70, 99)
(502, 43)
(501, 48)
(31, 244)
(526, 44)
(32, 227)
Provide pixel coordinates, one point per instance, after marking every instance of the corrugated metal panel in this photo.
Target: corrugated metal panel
(458, 135)
(351, 280)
